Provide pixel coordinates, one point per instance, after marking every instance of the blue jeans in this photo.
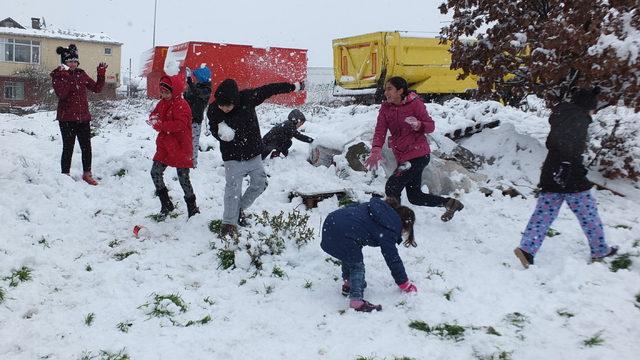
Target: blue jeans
(354, 272)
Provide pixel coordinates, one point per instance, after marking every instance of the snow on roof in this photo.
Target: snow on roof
(59, 34)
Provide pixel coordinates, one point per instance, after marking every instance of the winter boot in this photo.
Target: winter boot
(364, 306)
(165, 201)
(228, 229)
(89, 179)
(452, 205)
(612, 251)
(242, 219)
(346, 287)
(525, 258)
(192, 208)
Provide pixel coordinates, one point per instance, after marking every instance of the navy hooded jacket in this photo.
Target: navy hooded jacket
(374, 223)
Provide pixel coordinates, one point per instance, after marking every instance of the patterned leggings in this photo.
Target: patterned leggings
(583, 206)
(157, 172)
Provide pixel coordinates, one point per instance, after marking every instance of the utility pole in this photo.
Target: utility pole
(129, 88)
(155, 7)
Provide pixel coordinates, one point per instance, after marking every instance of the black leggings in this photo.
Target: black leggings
(70, 130)
(411, 179)
(157, 172)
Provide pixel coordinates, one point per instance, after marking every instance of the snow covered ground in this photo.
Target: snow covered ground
(86, 299)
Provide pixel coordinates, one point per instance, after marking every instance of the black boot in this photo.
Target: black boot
(192, 208)
(165, 201)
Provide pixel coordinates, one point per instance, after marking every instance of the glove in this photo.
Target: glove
(225, 132)
(374, 158)
(415, 123)
(299, 86)
(187, 72)
(408, 287)
(152, 120)
(102, 69)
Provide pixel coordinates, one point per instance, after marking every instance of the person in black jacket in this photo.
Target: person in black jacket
(233, 121)
(197, 95)
(278, 139)
(564, 178)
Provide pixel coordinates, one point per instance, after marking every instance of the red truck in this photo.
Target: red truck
(249, 66)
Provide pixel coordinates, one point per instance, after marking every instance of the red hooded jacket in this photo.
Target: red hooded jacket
(405, 142)
(71, 88)
(173, 123)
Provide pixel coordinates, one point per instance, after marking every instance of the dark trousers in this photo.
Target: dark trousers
(70, 130)
(411, 180)
(282, 148)
(157, 172)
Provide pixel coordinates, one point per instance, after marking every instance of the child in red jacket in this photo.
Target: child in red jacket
(70, 84)
(172, 119)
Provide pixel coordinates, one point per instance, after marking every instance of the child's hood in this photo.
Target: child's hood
(383, 214)
(177, 82)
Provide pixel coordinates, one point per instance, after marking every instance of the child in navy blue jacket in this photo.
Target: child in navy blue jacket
(379, 223)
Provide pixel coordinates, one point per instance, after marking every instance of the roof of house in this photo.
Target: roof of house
(55, 33)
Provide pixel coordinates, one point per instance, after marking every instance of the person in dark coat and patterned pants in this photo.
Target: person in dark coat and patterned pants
(70, 84)
(234, 122)
(563, 179)
(278, 139)
(377, 223)
(171, 118)
(197, 95)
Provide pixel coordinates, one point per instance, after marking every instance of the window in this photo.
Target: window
(107, 51)
(14, 90)
(22, 51)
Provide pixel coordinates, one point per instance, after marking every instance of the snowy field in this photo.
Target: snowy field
(76, 284)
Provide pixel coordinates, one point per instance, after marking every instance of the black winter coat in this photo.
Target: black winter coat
(562, 170)
(280, 135)
(197, 95)
(247, 142)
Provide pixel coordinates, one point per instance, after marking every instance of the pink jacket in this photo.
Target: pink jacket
(405, 142)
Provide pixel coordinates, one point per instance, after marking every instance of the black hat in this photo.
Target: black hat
(68, 54)
(227, 92)
(586, 98)
(297, 115)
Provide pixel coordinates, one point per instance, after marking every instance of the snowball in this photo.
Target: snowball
(225, 132)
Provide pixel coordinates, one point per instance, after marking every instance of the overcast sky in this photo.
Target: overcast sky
(285, 23)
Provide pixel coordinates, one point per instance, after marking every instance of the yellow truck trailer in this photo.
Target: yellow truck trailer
(362, 63)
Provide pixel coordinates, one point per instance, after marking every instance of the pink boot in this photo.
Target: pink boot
(364, 306)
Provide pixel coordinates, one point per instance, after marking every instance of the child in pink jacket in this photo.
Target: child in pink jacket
(404, 115)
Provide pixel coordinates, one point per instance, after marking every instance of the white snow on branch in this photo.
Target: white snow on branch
(627, 46)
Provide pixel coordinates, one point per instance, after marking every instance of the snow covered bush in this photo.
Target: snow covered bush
(615, 145)
(267, 236)
(41, 87)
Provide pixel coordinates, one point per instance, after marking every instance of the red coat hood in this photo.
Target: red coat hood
(177, 83)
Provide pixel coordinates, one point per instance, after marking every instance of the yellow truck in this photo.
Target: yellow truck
(362, 63)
